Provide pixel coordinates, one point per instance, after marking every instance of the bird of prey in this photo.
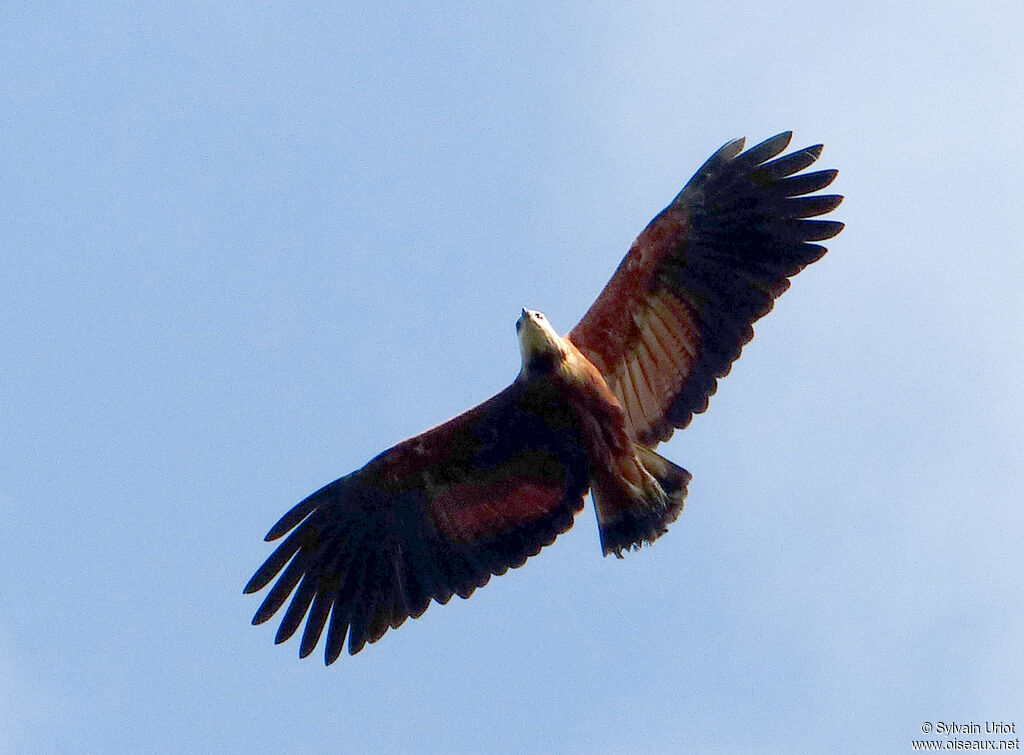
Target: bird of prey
(439, 513)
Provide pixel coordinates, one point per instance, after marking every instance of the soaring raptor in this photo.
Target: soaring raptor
(439, 513)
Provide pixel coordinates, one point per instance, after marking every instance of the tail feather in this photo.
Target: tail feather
(629, 515)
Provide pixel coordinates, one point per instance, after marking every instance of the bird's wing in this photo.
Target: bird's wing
(434, 516)
(681, 305)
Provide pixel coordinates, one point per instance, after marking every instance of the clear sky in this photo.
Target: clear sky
(246, 246)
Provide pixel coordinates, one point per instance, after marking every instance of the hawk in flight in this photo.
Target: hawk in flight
(439, 513)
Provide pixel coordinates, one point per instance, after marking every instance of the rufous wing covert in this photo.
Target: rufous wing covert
(439, 513)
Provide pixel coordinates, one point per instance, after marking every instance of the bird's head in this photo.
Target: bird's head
(541, 346)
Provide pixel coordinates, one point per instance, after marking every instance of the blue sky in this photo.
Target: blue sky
(248, 246)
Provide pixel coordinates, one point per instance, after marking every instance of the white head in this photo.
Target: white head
(539, 344)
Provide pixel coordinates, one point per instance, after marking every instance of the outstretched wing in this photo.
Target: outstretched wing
(681, 305)
(434, 516)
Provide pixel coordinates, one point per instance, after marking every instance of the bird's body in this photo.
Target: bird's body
(633, 504)
(439, 513)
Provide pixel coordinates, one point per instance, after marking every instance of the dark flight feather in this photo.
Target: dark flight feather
(718, 255)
